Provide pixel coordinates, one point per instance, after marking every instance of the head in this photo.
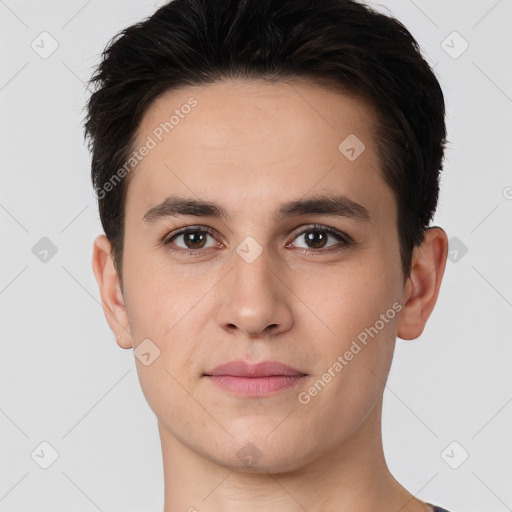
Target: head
(242, 111)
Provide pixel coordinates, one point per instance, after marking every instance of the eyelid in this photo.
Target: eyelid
(187, 229)
(320, 227)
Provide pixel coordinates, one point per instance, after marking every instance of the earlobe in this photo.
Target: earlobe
(422, 286)
(111, 296)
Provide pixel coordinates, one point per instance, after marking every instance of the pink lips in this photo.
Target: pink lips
(254, 379)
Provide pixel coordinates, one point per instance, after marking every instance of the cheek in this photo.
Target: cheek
(355, 359)
(167, 319)
(348, 299)
(160, 294)
(168, 305)
(359, 333)
(363, 324)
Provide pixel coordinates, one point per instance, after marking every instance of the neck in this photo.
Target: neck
(352, 477)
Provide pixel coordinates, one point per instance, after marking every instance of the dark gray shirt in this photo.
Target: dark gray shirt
(437, 509)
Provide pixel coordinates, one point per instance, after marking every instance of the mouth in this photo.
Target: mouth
(259, 379)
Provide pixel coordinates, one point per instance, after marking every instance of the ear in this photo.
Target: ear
(111, 296)
(422, 286)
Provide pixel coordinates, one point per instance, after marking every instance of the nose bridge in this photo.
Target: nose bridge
(254, 281)
(254, 300)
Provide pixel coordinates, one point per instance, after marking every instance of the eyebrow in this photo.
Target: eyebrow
(330, 205)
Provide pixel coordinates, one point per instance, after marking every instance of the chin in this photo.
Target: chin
(261, 452)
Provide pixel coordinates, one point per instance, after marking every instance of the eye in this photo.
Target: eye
(316, 239)
(194, 239)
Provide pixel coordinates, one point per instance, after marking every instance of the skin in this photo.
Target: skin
(251, 146)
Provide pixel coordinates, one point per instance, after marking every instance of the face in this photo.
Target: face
(316, 286)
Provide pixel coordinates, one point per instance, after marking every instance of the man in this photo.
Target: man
(266, 172)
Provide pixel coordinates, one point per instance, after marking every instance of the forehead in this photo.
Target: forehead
(254, 142)
(217, 116)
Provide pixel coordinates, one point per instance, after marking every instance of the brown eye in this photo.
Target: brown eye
(317, 237)
(194, 239)
(190, 239)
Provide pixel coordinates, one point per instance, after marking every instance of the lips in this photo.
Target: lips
(260, 380)
(240, 368)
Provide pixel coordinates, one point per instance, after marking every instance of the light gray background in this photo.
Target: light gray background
(65, 381)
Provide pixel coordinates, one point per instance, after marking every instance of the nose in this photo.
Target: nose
(254, 300)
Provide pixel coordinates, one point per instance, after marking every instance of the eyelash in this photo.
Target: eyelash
(345, 240)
